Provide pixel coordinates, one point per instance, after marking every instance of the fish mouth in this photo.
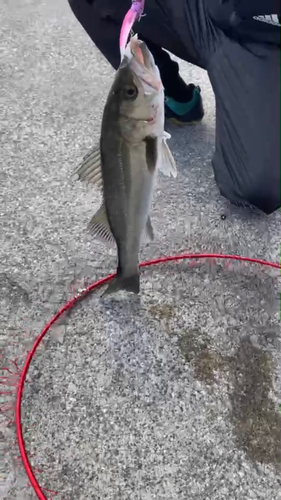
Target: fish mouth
(141, 53)
(151, 120)
(145, 60)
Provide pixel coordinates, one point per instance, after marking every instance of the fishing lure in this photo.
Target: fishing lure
(134, 14)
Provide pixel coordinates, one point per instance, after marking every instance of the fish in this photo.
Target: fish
(132, 149)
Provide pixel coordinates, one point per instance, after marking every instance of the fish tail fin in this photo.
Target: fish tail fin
(128, 284)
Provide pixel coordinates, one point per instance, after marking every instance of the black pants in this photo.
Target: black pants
(244, 78)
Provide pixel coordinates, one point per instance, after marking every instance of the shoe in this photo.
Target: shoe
(187, 113)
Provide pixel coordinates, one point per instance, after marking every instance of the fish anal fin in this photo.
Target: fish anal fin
(99, 227)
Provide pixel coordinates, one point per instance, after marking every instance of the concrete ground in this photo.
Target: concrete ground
(172, 396)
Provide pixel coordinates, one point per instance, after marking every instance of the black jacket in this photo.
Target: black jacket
(248, 20)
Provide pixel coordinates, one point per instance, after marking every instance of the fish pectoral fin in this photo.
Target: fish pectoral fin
(99, 226)
(148, 234)
(166, 163)
(151, 152)
(89, 169)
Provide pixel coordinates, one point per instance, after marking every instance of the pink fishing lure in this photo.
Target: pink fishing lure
(133, 15)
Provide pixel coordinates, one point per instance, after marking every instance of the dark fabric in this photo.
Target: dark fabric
(244, 77)
(247, 20)
(249, 8)
(247, 157)
(102, 20)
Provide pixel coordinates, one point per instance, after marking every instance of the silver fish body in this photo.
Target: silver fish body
(132, 148)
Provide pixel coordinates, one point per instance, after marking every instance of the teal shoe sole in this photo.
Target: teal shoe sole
(190, 113)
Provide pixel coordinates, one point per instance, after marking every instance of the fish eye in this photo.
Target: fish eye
(131, 91)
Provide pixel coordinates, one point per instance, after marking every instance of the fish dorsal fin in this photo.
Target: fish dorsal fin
(89, 169)
(99, 227)
(148, 234)
(165, 162)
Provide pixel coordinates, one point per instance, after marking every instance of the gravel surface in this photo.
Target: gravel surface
(173, 395)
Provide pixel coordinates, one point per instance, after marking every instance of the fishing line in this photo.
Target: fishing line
(69, 305)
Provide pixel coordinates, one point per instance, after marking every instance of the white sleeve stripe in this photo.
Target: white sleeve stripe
(272, 19)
